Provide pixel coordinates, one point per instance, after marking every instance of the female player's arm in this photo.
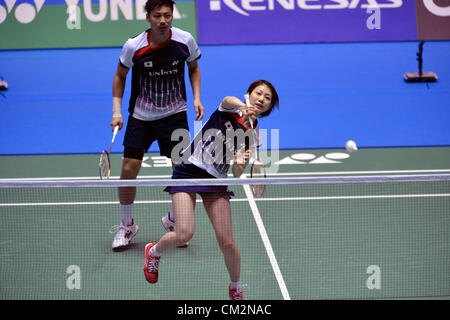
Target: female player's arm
(233, 103)
(240, 162)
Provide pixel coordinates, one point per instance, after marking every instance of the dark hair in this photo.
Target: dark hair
(275, 99)
(150, 5)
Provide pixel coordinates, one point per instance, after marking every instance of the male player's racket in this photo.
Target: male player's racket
(257, 169)
(104, 165)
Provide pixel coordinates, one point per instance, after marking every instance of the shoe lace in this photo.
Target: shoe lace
(153, 265)
(118, 229)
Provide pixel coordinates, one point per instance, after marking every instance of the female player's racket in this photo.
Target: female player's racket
(257, 169)
(104, 165)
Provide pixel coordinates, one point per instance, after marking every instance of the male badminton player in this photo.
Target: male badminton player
(233, 114)
(157, 105)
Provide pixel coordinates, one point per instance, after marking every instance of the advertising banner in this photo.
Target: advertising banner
(34, 24)
(433, 19)
(31, 24)
(291, 21)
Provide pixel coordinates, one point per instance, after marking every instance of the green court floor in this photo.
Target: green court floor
(334, 241)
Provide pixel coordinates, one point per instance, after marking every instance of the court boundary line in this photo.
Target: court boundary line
(319, 173)
(315, 173)
(267, 245)
(137, 202)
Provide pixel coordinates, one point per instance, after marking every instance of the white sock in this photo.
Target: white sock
(235, 285)
(154, 253)
(127, 214)
(171, 217)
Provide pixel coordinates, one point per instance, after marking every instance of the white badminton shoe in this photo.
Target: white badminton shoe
(123, 235)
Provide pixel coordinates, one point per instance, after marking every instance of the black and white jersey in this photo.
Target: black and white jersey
(158, 88)
(214, 146)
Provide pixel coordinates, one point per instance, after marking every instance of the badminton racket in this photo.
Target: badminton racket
(104, 165)
(257, 169)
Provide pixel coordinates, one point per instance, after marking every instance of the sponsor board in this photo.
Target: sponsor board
(298, 21)
(291, 21)
(32, 24)
(433, 19)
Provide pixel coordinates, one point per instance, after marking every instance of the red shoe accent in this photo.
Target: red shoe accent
(235, 294)
(151, 264)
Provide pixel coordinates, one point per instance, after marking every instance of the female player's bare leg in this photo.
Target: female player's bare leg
(219, 212)
(183, 205)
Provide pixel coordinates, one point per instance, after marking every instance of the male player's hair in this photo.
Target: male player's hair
(150, 5)
(275, 98)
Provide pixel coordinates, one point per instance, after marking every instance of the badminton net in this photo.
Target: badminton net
(353, 237)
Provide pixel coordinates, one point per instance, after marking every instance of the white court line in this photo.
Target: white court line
(79, 203)
(81, 178)
(382, 196)
(277, 174)
(87, 203)
(266, 241)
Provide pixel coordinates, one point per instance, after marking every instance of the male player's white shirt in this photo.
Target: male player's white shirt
(158, 87)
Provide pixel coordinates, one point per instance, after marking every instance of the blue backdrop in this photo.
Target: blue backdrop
(59, 101)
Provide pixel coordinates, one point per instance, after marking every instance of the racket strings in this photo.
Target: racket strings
(104, 165)
(258, 171)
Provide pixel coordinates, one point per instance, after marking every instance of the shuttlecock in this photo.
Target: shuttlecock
(351, 146)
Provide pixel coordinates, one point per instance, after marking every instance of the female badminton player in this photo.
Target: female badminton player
(207, 162)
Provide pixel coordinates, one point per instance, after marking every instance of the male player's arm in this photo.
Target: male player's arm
(118, 90)
(195, 78)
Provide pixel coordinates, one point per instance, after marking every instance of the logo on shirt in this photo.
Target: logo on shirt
(148, 64)
(163, 73)
(228, 125)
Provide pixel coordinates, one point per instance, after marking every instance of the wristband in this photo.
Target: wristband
(117, 107)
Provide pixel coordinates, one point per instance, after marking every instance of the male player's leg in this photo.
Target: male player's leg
(127, 228)
(130, 170)
(138, 138)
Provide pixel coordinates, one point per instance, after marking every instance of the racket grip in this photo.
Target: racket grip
(247, 102)
(247, 99)
(116, 129)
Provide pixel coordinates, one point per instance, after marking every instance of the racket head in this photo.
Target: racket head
(258, 170)
(104, 165)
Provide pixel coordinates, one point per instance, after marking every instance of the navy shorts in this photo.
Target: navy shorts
(190, 171)
(141, 134)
